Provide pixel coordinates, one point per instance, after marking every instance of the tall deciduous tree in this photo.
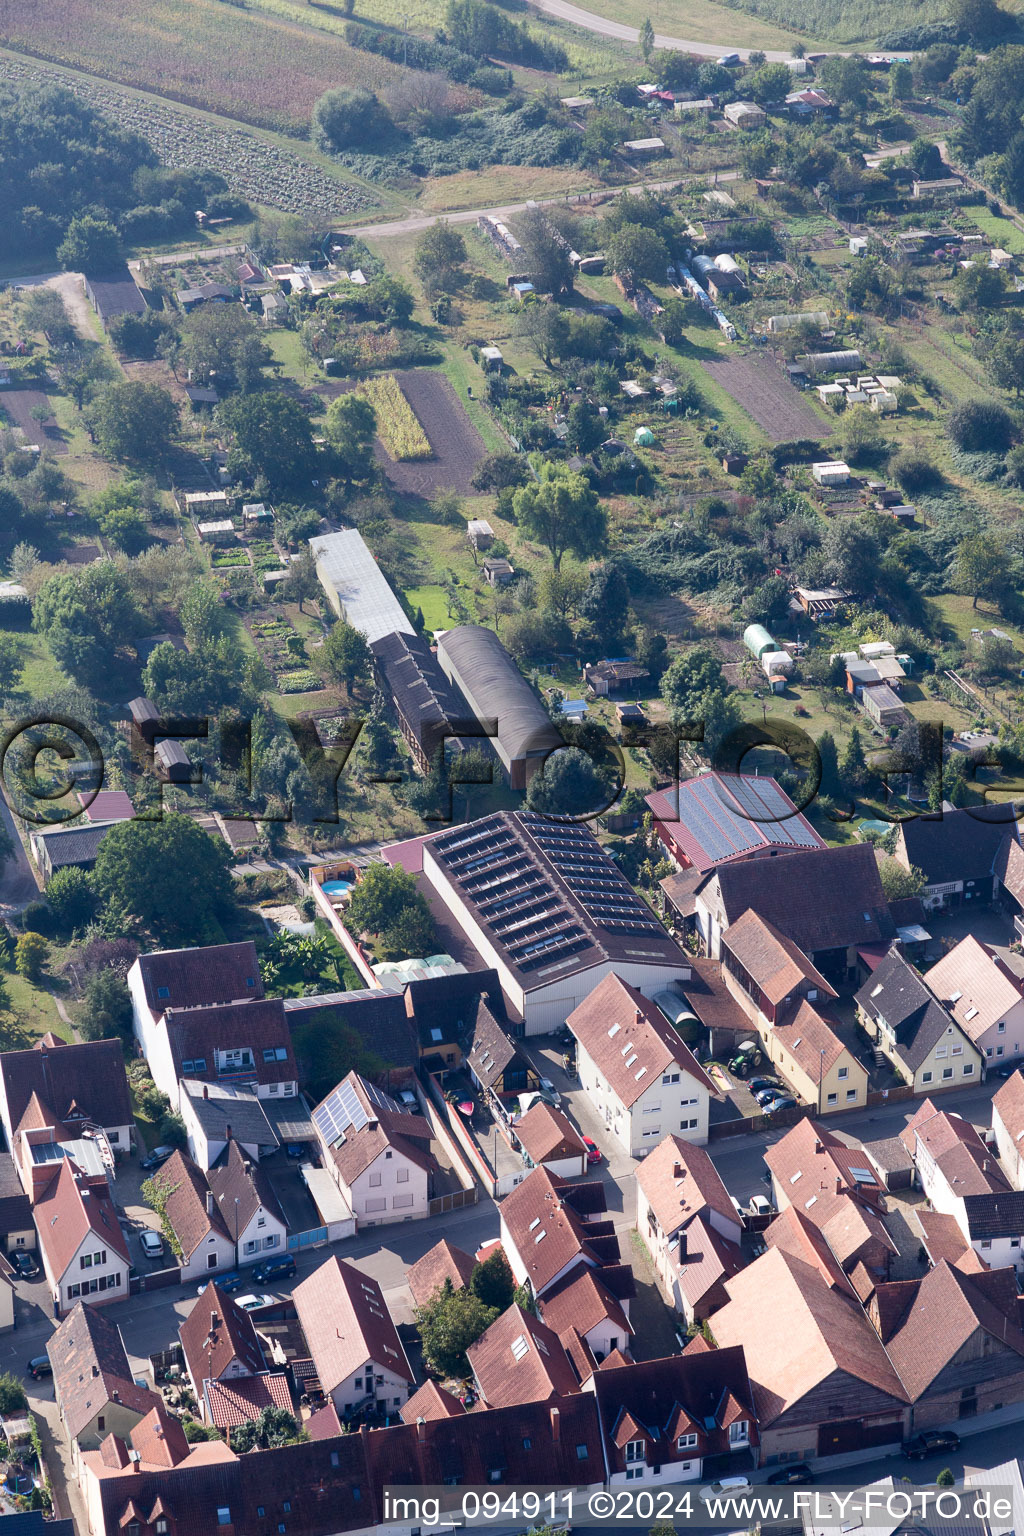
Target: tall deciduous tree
(134, 422)
(440, 256)
(449, 1323)
(562, 511)
(345, 653)
(167, 876)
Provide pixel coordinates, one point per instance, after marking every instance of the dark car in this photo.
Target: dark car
(765, 1096)
(761, 1084)
(934, 1442)
(297, 1150)
(779, 1104)
(1008, 1068)
(274, 1269)
(230, 1282)
(38, 1366)
(791, 1476)
(26, 1266)
(156, 1158)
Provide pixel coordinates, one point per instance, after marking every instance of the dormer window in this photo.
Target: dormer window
(163, 991)
(635, 1451)
(739, 1433)
(686, 1443)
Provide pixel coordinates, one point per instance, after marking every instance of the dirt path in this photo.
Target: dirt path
(412, 224)
(591, 22)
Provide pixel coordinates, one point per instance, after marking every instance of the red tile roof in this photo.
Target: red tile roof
(773, 962)
(630, 1041)
(186, 1203)
(430, 1402)
(241, 1189)
(91, 1369)
(442, 1262)
(970, 982)
(693, 1393)
(89, 1074)
(704, 817)
(547, 1135)
(679, 1181)
(582, 1301)
(815, 1171)
(159, 1438)
(346, 1322)
(386, 1126)
(238, 1400)
(259, 1025)
(947, 1310)
(541, 1217)
(217, 1334)
(72, 1206)
(193, 978)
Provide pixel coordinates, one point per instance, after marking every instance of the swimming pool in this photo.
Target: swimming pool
(336, 887)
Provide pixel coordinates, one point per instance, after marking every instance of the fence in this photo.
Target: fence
(454, 1201)
(308, 1239)
(158, 1279)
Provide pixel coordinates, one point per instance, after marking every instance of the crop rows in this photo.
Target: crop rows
(251, 67)
(256, 170)
(397, 424)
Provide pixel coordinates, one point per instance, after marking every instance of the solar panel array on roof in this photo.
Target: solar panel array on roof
(343, 1110)
(704, 814)
(762, 802)
(595, 881)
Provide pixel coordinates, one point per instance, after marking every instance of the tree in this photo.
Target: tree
(12, 1394)
(829, 757)
(139, 336)
(134, 422)
(853, 770)
(272, 1427)
(70, 896)
(223, 341)
(30, 954)
(757, 154)
(585, 429)
(605, 606)
(85, 616)
(349, 428)
(493, 1281)
(771, 82)
(697, 694)
(845, 78)
(899, 883)
(980, 426)
(901, 81)
(449, 1323)
(387, 903)
(167, 876)
(350, 117)
(274, 437)
(562, 511)
(861, 437)
(439, 257)
(11, 665)
(980, 21)
(545, 255)
(979, 286)
(501, 471)
(302, 584)
(91, 245)
(637, 254)
(345, 654)
(980, 566)
(106, 1012)
(646, 38)
(568, 785)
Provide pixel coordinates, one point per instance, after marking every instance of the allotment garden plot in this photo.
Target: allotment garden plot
(756, 384)
(456, 446)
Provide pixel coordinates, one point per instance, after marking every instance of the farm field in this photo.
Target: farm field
(19, 405)
(703, 21)
(397, 426)
(255, 68)
(456, 443)
(767, 397)
(263, 169)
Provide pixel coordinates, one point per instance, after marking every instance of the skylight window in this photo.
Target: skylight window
(534, 1223)
(541, 1235)
(640, 1074)
(614, 1031)
(520, 1347)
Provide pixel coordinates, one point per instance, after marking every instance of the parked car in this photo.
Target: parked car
(38, 1366)
(274, 1269)
(777, 1105)
(297, 1150)
(1008, 1068)
(253, 1300)
(151, 1243)
(156, 1158)
(791, 1476)
(729, 60)
(724, 1487)
(26, 1265)
(548, 1088)
(759, 1084)
(593, 1150)
(933, 1442)
(760, 1205)
(229, 1282)
(765, 1096)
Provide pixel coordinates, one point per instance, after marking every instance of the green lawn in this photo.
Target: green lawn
(1002, 232)
(32, 1011)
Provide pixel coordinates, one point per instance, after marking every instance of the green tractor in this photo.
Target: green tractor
(747, 1057)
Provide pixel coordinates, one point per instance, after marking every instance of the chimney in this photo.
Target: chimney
(818, 1149)
(839, 1184)
(639, 1017)
(115, 1394)
(556, 1425)
(421, 1428)
(677, 1171)
(206, 1090)
(682, 1245)
(985, 1167)
(227, 1133)
(209, 1202)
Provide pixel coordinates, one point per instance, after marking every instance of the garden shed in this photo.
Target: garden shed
(643, 437)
